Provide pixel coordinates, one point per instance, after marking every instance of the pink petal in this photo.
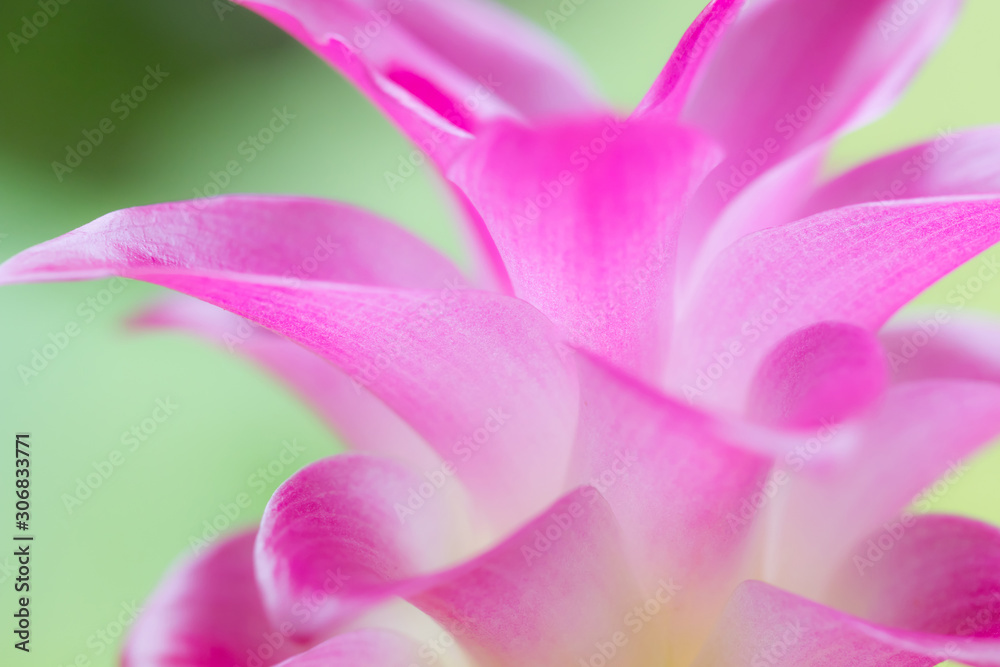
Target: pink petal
(481, 377)
(921, 431)
(549, 590)
(207, 613)
(676, 486)
(337, 531)
(584, 215)
(549, 594)
(438, 68)
(669, 92)
(370, 648)
(953, 163)
(765, 625)
(824, 373)
(363, 421)
(945, 344)
(857, 265)
(792, 73)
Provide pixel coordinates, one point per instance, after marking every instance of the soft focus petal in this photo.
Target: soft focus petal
(944, 344)
(953, 163)
(208, 613)
(481, 377)
(823, 373)
(363, 421)
(371, 648)
(765, 625)
(791, 73)
(547, 595)
(438, 68)
(676, 487)
(338, 531)
(669, 92)
(857, 265)
(584, 215)
(923, 430)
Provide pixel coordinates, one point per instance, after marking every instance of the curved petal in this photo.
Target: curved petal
(669, 93)
(791, 73)
(953, 163)
(677, 487)
(548, 595)
(857, 265)
(363, 421)
(337, 531)
(921, 431)
(481, 377)
(371, 648)
(823, 373)
(766, 625)
(438, 68)
(584, 216)
(944, 344)
(207, 613)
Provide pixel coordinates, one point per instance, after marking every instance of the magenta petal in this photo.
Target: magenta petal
(676, 486)
(945, 344)
(824, 373)
(921, 431)
(339, 530)
(669, 92)
(548, 594)
(767, 625)
(481, 377)
(439, 68)
(790, 73)
(208, 613)
(584, 215)
(953, 163)
(370, 648)
(857, 265)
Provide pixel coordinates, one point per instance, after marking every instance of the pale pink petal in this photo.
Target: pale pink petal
(677, 487)
(764, 625)
(335, 535)
(945, 343)
(791, 73)
(836, 495)
(952, 163)
(857, 265)
(439, 68)
(207, 613)
(823, 373)
(367, 648)
(584, 215)
(669, 92)
(363, 421)
(549, 594)
(481, 377)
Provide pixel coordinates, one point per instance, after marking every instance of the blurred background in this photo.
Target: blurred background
(223, 72)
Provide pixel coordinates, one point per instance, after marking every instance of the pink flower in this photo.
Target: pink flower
(665, 424)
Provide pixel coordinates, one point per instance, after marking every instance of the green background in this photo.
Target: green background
(227, 73)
